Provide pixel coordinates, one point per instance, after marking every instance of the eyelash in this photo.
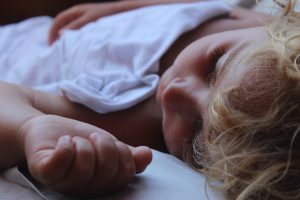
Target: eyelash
(213, 58)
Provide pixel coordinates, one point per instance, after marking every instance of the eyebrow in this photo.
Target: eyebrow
(231, 55)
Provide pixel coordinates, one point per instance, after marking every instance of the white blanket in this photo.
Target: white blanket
(107, 65)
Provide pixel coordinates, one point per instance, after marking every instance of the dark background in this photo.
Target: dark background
(16, 10)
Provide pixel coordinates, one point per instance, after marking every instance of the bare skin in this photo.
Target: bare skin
(67, 129)
(146, 117)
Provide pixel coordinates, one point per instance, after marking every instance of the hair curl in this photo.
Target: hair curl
(252, 142)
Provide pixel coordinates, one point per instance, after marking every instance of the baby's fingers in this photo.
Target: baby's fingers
(132, 160)
(49, 166)
(127, 168)
(77, 24)
(61, 21)
(106, 166)
(82, 169)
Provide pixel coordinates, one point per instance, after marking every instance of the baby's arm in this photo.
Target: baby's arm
(66, 155)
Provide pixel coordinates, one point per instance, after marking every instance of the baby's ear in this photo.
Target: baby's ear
(142, 156)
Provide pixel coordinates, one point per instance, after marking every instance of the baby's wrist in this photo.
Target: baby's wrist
(24, 132)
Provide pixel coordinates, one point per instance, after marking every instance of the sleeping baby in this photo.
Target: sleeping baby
(200, 80)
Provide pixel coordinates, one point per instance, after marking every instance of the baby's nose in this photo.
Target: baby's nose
(180, 96)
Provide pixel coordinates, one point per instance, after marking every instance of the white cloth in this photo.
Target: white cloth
(107, 65)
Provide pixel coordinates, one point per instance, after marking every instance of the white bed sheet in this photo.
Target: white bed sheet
(167, 178)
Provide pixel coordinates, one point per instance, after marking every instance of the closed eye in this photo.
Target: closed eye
(213, 59)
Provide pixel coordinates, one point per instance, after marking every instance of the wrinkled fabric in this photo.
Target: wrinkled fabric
(107, 65)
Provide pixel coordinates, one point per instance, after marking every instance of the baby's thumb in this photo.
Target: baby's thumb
(142, 156)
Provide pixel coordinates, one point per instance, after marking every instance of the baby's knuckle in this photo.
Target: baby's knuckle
(104, 142)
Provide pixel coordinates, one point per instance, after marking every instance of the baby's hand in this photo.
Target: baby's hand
(79, 15)
(79, 159)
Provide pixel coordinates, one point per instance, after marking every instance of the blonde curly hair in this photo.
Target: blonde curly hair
(252, 142)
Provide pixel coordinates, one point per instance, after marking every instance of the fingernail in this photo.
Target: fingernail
(75, 139)
(65, 138)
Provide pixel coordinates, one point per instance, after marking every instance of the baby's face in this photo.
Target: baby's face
(208, 65)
